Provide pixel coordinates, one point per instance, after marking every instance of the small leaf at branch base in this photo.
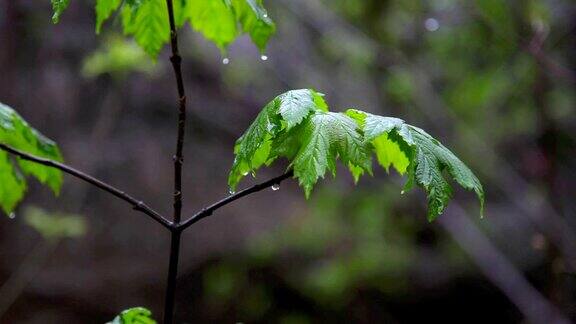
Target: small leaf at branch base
(136, 315)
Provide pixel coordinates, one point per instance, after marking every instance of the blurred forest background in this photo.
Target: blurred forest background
(493, 79)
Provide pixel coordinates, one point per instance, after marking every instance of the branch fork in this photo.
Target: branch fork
(176, 226)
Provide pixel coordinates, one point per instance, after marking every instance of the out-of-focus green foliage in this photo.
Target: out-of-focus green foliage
(15, 132)
(325, 257)
(58, 6)
(220, 21)
(136, 315)
(298, 126)
(54, 226)
(118, 57)
(220, 282)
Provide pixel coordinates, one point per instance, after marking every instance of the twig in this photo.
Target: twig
(136, 204)
(178, 162)
(535, 47)
(205, 212)
(179, 156)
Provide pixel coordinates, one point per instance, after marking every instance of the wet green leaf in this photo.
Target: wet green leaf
(297, 126)
(220, 21)
(15, 132)
(136, 315)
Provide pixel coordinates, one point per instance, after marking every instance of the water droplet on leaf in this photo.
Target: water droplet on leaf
(12, 215)
(225, 61)
(265, 15)
(402, 192)
(276, 186)
(264, 58)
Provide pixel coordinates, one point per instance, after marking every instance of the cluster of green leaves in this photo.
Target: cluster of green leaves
(136, 315)
(15, 132)
(220, 21)
(298, 126)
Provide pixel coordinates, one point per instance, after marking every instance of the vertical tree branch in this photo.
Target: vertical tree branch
(178, 161)
(170, 298)
(176, 60)
(209, 210)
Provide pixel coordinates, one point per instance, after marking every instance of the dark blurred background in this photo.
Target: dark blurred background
(494, 80)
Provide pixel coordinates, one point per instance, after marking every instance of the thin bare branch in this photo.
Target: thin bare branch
(178, 162)
(205, 212)
(179, 156)
(137, 204)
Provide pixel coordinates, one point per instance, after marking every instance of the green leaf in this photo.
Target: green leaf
(254, 21)
(214, 19)
(136, 315)
(12, 184)
(295, 105)
(325, 137)
(104, 9)
(297, 126)
(148, 22)
(16, 132)
(220, 21)
(431, 160)
(58, 6)
(278, 117)
(390, 138)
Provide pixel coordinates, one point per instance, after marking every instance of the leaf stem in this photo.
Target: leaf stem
(137, 204)
(207, 211)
